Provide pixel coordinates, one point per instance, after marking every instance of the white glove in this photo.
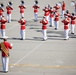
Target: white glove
(11, 44)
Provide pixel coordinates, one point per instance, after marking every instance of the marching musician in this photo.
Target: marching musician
(63, 8)
(68, 14)
(49, 10)
(56, 20)
(44, 28)
(57, 7)
(36, 7)
(22, 22)
(5, 46)
(46, 13)
(1, 10)
(9, 11)
(73, 22)
(66, 27)
(3, 22)
(22, 8)
(51, 17)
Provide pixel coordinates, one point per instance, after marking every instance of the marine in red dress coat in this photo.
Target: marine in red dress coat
(73, 22)
(36, 7)
(9, 12)
(22, 9)
(1, 12)
(63, 8)
(57, 7)
(66, 27)
(3, 22)
(44, 28)
(5, 46)
(22, 22)
(56, 19)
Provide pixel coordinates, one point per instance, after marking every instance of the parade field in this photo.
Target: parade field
(33, 56)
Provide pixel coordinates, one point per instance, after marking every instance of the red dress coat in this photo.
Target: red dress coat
(57, 8)
(56, 17)
(22, 8)
(1, 12)
(23, 24)
(36, 8)
(44, 24)
(46, 12)
(66, 22)
(9, 9)
(63, 6)
(8, 46)
(3, 23)
(73, 20)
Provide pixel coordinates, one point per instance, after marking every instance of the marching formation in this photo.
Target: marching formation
(51, 16)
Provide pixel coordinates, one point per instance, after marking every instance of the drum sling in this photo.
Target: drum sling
(4, 49)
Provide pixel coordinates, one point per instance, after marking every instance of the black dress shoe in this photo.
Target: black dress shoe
(50, 25)
(5, 71)
(66, 39)
(72, 33)
(21, 39)
(44, 39)
(35, 20)
(56, 29)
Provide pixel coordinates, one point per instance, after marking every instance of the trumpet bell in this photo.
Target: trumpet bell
(36, 2)
(10, 3)
(22, 2)
(72, 3)
(1, 5)
(59, 3)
